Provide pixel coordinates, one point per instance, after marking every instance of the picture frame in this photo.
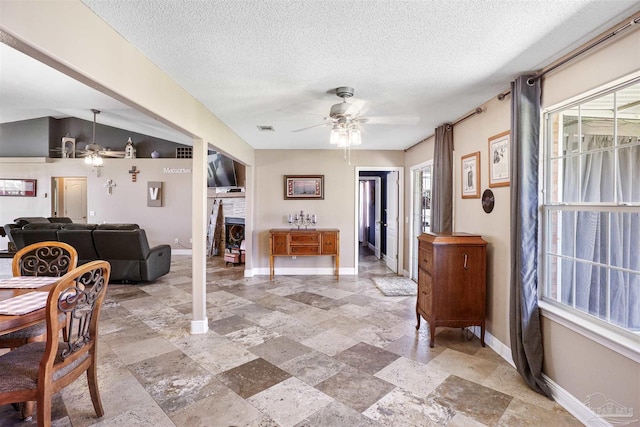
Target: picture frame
(500, 160)
(308, 187)
(470, 175)
(18, 187)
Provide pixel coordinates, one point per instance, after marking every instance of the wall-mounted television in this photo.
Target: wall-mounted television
(220, 171)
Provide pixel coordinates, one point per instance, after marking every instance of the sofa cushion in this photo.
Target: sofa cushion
(117, 227)
(78, 226)
(29, 220)
(24, 237)
(62, 219)
(42, 226)
(121, 244)
(82, 241)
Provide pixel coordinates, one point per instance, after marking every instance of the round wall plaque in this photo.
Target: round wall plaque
(488, 200)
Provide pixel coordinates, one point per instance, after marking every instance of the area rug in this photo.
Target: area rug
(395, 286)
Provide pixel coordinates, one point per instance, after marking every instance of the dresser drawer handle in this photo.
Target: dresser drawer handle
(466, 267)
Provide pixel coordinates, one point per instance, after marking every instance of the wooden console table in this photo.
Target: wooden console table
(294, 242)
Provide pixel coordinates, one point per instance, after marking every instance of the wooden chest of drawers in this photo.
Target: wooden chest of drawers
(319, 242)
(452, 282)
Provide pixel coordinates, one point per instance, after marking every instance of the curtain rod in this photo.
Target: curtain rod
(478, 110)
(594, 42)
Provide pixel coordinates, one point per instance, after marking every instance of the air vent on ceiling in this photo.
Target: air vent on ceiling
(266, 128)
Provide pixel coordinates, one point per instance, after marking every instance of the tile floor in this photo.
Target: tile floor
(296, 351)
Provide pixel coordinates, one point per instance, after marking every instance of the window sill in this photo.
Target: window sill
(627, 345)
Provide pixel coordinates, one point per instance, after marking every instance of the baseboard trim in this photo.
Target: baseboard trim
(328, 271)
(181, 251)
(578, 409)
(200, 326)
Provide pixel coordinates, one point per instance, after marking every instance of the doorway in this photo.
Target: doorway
(69, 198)
(380, 208)
(420, 210)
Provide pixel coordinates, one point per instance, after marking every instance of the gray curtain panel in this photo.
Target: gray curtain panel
(442, 184)
(526, 337)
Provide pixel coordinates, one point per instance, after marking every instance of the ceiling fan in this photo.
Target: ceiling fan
(94, 149)
(349, 113)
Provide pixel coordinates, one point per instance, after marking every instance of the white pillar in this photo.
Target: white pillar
(199, 324)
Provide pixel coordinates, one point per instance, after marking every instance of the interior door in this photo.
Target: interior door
(392, 221)
(75, 199)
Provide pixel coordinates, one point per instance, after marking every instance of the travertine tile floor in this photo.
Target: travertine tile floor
(296, 351)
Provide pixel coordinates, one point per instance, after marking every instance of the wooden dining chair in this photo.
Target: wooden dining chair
(35, 371)
(53, 259)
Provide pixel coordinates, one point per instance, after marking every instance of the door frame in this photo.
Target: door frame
(401, 218)
(378, 213)
(57, 201)
(413, 247)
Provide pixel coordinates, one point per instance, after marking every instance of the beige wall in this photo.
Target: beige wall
(337, 210)
(470, 136)
(126, 204)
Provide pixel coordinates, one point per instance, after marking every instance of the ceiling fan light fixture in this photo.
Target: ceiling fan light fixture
(334, 137)
(355, 137)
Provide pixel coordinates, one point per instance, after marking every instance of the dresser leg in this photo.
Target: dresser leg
(418, 318)
(432, 335)
(482, 334)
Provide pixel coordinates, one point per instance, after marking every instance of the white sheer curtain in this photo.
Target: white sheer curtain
(602, 239)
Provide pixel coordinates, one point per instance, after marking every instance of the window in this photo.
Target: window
(591, 208)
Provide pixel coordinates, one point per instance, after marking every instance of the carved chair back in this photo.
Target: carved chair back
(45, 259)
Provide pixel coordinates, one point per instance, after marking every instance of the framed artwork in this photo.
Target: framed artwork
(499, 160)
(18, 187)
(303, 187)
(470, 170)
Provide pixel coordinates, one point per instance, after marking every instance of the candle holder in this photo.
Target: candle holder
(302, 220)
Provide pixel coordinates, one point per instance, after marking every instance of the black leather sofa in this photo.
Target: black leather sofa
(125, 246)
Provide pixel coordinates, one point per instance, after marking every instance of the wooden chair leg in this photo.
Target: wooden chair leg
(26, 410)
(92, 381)
(44, 409)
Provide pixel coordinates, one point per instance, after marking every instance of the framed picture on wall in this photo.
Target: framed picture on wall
(303, 187)
(499, 161)
(470, 171)
(18, 187)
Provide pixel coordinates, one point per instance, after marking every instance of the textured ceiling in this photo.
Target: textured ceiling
(414, 64)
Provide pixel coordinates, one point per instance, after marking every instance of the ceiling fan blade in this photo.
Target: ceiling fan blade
(357, 107)
(391, 120)
(110, 153)
(311, 127)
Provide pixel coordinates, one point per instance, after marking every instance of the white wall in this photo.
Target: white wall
(126, 204)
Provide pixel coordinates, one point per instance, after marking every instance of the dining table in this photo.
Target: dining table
(23, 301)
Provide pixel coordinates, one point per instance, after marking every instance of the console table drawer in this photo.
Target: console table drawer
(305, 250)
(305, 238)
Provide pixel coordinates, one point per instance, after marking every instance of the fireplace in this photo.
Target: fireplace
(233, 232)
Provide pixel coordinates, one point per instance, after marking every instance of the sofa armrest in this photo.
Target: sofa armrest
(158, 263)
